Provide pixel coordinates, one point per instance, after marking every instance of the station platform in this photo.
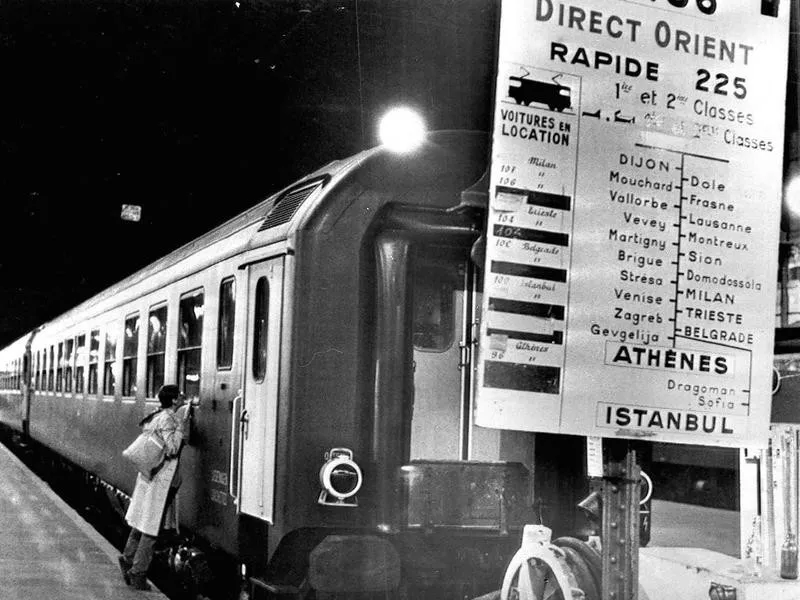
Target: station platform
(47, 550)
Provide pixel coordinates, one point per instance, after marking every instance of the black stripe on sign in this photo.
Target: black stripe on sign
(557, 337)
(525, 378)
(532, 235)
(500, 267)
(532, 309)
(544, 199)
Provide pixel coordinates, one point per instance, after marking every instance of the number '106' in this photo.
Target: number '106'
(707, 7)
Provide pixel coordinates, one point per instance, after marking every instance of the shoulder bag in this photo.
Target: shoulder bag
(146, 453)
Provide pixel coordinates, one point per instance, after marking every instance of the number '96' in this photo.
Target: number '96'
(707, 7)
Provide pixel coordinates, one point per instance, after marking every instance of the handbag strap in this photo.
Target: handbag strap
(149, 417)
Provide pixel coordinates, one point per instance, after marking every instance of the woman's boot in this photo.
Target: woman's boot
(139, 581)
(124, 566)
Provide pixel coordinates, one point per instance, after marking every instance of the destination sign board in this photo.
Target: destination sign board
(633, 227)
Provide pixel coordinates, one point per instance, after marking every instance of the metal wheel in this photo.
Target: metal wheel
(535, 581)
(540, 570)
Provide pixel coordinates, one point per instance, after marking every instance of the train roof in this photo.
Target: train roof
(234, 236)
(270, 221)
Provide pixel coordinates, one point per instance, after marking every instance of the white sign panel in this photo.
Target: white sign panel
(131, 212)
(634, 218)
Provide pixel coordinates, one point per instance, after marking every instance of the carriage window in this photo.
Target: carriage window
(190, 335)
(130, 349)
(69, 359)
(60, 367)
(109, 384)
(156, 348)
(37, 372)
(434, 289)
(94, 358)
(227, 310)
(80, 349)
(260, 329)
(51, 374)
(43, 380)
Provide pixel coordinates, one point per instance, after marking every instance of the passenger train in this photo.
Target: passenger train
(326, 338)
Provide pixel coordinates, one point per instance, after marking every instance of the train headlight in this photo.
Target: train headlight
(402, 130)
(340, 478)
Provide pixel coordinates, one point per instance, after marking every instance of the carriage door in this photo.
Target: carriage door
(259, 408)
(441, 415)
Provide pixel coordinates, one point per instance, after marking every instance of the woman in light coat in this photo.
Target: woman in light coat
(153, 498)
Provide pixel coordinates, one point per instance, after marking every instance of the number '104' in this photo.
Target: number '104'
(707, 7)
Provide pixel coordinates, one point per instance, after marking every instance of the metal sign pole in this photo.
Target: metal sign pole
(620, 532)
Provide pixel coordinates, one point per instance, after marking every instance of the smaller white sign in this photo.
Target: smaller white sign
(131, 212)
(594, 456)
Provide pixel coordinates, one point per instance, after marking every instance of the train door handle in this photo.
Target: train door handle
(235, 462)
(463, 355)
(245, 421)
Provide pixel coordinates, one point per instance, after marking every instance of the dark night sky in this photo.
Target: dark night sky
(195, 110)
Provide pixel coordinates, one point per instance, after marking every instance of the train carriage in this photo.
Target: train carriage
(14, 384)
(327, 340)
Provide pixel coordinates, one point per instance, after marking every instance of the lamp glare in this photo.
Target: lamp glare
(401, 130)
(791, 196)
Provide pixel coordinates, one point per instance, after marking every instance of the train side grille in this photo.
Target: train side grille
(286, 206)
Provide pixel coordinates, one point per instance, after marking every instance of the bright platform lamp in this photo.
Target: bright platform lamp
(791, 199)
(401, 130)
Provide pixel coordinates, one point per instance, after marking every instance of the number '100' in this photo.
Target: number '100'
(707, 7)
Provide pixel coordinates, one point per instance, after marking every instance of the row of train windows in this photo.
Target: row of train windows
(64, 367)
(11, 375)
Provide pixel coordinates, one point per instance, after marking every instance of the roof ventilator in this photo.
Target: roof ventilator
(286, 205)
